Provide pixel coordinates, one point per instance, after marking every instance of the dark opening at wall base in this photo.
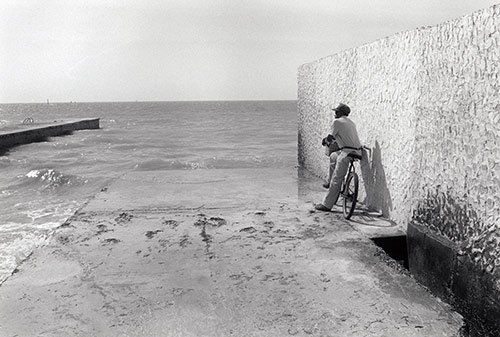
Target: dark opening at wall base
(395, 247)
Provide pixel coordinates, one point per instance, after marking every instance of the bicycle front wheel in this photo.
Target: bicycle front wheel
(350, 195)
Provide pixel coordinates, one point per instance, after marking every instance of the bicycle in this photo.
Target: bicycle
(349, 190)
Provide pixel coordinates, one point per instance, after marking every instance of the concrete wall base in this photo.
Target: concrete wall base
(437, 263)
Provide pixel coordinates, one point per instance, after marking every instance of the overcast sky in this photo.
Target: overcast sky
(163, 50)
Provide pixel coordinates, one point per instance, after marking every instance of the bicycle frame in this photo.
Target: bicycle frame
(351, 170)
(349, 195)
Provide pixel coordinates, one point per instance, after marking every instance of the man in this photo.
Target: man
(345, 134)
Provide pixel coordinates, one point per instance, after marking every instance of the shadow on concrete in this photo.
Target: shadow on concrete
(366, 219)
(378, 196)
(373, 224)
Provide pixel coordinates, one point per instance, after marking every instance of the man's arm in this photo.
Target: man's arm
(335, 128)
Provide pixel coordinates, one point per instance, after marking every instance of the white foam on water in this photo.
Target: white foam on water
(16, 246)
(18, 240)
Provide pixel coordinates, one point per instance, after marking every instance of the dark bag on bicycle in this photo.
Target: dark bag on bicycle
(330, 145)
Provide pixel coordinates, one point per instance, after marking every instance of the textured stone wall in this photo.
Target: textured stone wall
(427, 104)
(457, 148)
(328, 80)
(379, 82)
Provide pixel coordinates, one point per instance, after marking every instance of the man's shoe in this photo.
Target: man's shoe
(326, 185)
(321, 207)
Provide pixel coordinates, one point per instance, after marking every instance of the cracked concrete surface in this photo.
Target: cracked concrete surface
(216, 253)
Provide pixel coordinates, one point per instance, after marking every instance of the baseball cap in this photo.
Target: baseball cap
(343, 108)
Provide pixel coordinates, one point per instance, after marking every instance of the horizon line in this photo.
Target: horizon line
(160, 101)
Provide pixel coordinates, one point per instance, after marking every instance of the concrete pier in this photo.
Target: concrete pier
(217, 253)
(19, 134)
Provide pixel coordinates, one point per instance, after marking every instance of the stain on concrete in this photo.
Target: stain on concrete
(312, 232)
(184, 241)
(217, 221)
(124, 217)
(206, 238)
(171, 223)
(181, 291)
(111, 241)
(151, 234)
(212, 222)
(63, 239)
(101, 228)
(268, 224)
(240, 278)
(248, 230)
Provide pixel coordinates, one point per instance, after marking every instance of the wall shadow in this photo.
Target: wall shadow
(365, 219)
(378, 196)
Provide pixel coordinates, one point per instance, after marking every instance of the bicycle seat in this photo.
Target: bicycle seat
(354, 156)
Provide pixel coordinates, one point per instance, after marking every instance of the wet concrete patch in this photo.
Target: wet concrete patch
(248, 230)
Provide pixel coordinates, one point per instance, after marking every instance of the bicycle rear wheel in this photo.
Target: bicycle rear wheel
(350, 195)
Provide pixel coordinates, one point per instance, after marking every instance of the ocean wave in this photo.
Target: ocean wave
(52, 179)
(160, 164)
(247, 162)
(214, 163)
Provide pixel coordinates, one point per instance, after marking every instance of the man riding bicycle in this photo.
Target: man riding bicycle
(345, 134)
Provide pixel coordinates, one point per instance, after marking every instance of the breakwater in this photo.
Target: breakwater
(30, 132)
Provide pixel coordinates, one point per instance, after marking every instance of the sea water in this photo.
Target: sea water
(42, 184)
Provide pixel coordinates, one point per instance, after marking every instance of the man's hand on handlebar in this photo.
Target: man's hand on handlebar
(327, 140)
